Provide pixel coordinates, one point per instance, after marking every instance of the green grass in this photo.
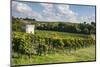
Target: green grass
(84, 54)
(44, 33)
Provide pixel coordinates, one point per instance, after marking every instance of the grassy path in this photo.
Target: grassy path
(85, 54)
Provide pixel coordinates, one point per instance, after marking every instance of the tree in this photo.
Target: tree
(86, 31)
(61, 26)
(84, 22)
(93, 23)
(90, 28)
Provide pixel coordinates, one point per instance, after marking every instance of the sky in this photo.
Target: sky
(53, 12)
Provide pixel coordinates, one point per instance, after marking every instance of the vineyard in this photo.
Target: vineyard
(48, 42)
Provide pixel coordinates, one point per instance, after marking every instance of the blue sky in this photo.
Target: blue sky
(54, 12)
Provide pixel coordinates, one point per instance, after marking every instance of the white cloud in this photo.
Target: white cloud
(50, 12)
(21, 8)
(58, 13)
(88, 19)
(24, 10)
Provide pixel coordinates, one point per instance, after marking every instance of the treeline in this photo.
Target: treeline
(29, 44)
(83, 28)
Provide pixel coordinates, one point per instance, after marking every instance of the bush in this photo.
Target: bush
(22, 43)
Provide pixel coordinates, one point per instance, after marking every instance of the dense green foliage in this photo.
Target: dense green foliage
(27, 43)
(17, 24)
(22, 43)
(68, 27)
(83, 28)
